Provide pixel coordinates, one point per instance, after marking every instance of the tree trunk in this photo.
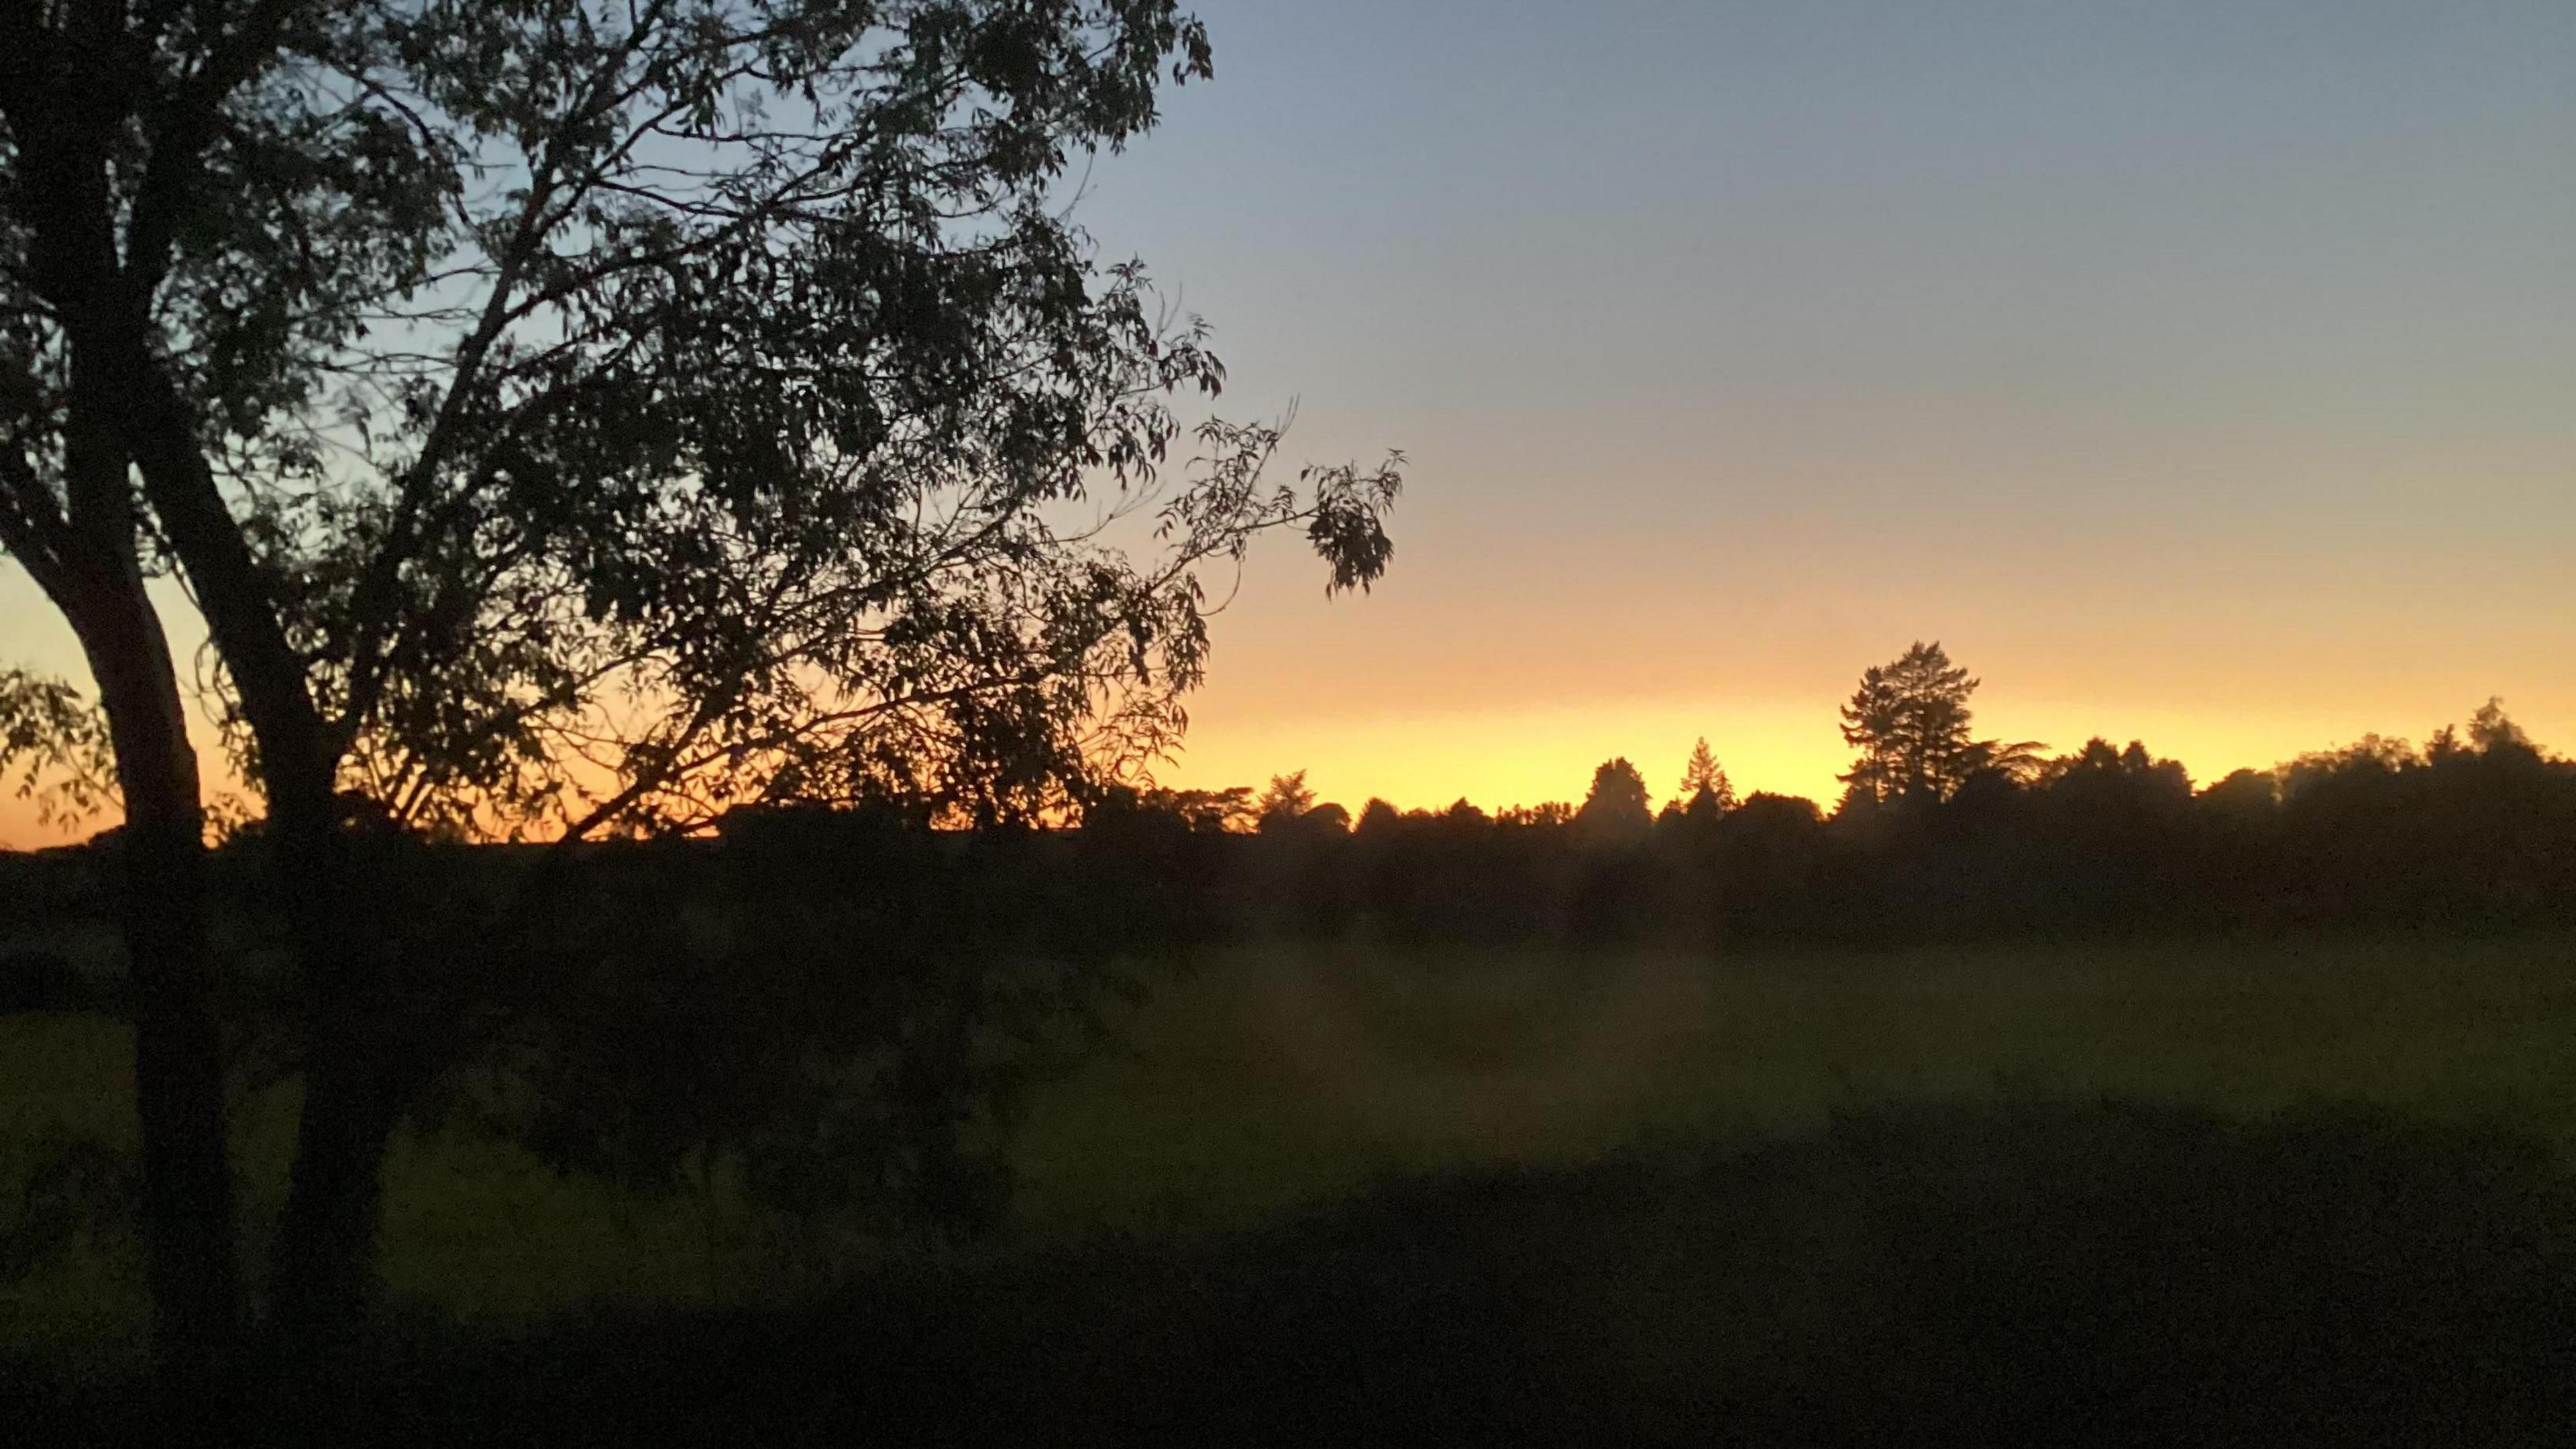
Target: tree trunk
(179, 1091)
(324, 1279)
(95, 577)
(356, 1044)
(178, 1046)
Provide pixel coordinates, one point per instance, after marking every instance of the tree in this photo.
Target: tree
(2012, 762)
(1208, 812)
(574, 417)
(1909, 720)
(1286, 801)
(1705, 790)
(1464, 813)
(68, 348)
(2243, 798)
(1617, 805)
(2114, 785)
(78, 759)
(2494, 734)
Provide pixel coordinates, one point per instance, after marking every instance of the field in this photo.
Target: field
(1276, 1077)
(1269, 1079)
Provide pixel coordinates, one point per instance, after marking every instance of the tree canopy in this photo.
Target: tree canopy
(1618, 803)
(1910, 721)
(1286, 800)
(604, 414)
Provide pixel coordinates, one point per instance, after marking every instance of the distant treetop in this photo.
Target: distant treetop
(1618, 803)
(1705, 790)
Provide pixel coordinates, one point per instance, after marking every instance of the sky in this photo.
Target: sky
(2203, 373)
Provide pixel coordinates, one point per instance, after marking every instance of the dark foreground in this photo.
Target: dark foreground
(2032, 1274)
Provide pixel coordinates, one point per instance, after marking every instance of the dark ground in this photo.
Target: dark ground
(2030, 1274)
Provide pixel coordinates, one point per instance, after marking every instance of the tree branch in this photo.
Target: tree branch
(182, 130)
(33, 530)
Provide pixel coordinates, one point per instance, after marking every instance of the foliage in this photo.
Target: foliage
(1909, 720)
(1200, 810)
(59, 742)
(1285, 801)
(1617, 804)
(629, 411)
(1705, 791)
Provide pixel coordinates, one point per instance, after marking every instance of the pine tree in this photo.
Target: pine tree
(1705, 788)
(1909, 720)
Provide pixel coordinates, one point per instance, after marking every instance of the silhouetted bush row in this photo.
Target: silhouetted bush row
(2106, 842)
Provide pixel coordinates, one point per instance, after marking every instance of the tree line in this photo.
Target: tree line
(1939, 835)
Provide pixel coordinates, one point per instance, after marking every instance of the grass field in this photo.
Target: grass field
(1278, 1077)
(1267, 1079)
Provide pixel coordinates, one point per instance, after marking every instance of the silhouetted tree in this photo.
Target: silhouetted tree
(2249, 795)
(1285, 801)
(1207, 811)
(2012, 762)
(2099, 765)
(2491, 732)
(1909, 720)
(1617, 806)
(77, 759)
(1705, 790)
(1767, 884)
(2373, 756)
(700, 383)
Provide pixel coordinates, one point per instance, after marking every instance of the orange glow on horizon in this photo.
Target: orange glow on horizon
(1506, 758)
(1247, 729)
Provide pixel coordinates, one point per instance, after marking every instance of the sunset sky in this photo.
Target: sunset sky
(2202, 372)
